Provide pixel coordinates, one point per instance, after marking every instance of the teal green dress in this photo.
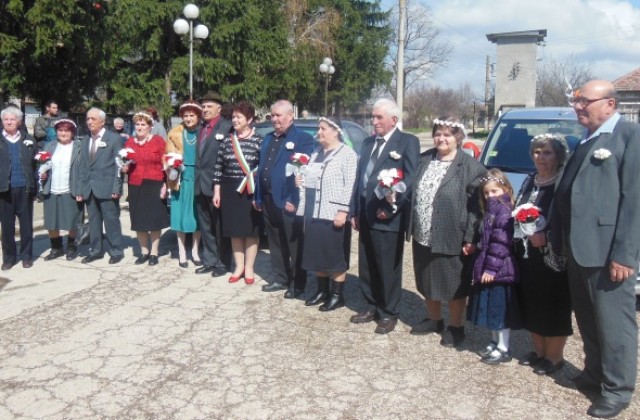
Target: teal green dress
(183, 201)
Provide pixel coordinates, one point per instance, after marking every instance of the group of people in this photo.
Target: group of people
(476, 244)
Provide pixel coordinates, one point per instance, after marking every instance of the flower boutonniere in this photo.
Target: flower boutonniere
(102, 144)
(28, 143)
(394, 155)
(219, 137)
(289, 145)
(602, 154)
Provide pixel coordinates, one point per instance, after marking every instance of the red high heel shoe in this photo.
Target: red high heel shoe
(234, 279)
(249, 280)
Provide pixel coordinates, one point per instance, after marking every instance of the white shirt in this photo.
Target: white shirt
(61, 168)
(12, 139)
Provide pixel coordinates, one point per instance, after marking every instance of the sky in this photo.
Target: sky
(602, 33)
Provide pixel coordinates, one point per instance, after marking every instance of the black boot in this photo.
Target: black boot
(322, 294)
(335, 300)
(56, 249)
(452, 336)
(72, 249)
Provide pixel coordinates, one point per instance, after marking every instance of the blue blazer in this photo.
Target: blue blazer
(283, 188)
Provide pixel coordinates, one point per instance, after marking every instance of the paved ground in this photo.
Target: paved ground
(125, 342)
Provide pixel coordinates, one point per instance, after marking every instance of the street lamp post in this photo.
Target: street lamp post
(184, 26)
(326, 69)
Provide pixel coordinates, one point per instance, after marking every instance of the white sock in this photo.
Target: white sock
(503, 339)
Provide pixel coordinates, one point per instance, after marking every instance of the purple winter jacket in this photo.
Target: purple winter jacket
(496, 252)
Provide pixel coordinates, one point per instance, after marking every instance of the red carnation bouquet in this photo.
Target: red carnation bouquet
(175, 165)
(125, 157)
(390, 183)
(43, 160)
(527, 220)
(298, 164)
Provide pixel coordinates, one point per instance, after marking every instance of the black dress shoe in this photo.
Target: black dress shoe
(363, 317)
(153, 260)
(197, 263)
(386, 325)
(605, 408)
(547, 367)
(531, 359)
(218, 271)
(72, 253)
(116, 259)
(91, 258)
(204, 269)
(141, 259)
(293, 293)
(183, 264)
(273, 287)
(27, 263)
(55, 253)
(7, 266)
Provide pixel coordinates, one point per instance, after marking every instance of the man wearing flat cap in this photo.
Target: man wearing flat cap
(216, 251)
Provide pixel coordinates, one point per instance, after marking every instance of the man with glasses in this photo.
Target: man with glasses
(598, 208)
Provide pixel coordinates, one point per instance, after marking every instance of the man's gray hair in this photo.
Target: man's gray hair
(100, 112)
(389, 106)
(15, 111)
(118, 119)
(283, 104)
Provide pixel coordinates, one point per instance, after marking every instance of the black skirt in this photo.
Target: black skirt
(326, 248)
(239, 218)
(147, 211)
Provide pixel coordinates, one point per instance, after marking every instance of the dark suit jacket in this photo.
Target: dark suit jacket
(605, 202)
(455, 206)
(76, 165)
(100, 175)
(283, 188)
(27, 154)
(408, 147)
(207, 154)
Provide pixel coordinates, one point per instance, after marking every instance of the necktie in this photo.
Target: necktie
(94, 146)
(373, 160)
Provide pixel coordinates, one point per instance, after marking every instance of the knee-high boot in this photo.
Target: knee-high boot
(322, 293)
(336, 300)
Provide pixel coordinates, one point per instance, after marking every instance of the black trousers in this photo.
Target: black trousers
(380, 268)
(285, 232)
(216, 250)
(16, 203)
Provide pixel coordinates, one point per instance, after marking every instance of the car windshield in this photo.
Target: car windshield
(507, 147)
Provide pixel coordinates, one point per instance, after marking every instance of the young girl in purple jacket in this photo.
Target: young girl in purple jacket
(493, 301)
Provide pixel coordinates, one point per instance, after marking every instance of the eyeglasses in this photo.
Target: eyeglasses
(584, 102)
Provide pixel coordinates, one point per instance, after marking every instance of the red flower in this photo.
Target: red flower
(300, 159)
(528, 215)
(42, 157)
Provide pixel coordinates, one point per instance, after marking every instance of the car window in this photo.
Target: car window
(507, 147)
(357, 136)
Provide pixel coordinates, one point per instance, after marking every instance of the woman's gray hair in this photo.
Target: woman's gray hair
(390, 107)
(557, 142)
(15, 111)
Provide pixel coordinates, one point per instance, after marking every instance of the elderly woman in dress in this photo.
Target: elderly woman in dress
(444, 228)
(544, 292)
(328, 184)
(60, 186)
(182, 141)
(234, 185)
(147, 188)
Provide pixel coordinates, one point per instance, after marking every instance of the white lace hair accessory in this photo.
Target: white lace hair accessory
(448, 124)
(546, 136)
(145, 116)
(332, 124)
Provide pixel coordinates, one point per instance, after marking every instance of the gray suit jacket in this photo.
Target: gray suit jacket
(455, 207)
(207, 155)
(605, 202)
(76, 165)
(100, 175)
(408, 147)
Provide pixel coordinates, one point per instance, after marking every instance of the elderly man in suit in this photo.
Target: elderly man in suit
(216, 250)
(17, 188)
(382, 224)
(277, 195)
(101, 188)
(598, 201)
